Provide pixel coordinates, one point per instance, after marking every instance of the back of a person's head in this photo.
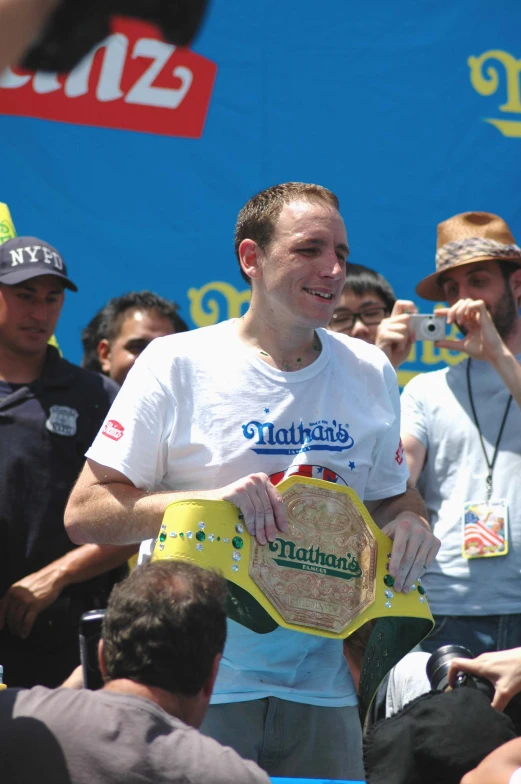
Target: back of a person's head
(107, 321)
(164, 625)
(363, 280)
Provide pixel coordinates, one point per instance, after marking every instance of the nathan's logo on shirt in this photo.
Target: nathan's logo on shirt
(113, 429)
(398, 455)
(321, 435)
(312, 559)
(62, 420)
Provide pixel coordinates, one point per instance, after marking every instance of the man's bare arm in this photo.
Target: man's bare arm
(107, 508)
(20, 23)
(498, 767)
(415, 454)
(27, 597)
(404, 519)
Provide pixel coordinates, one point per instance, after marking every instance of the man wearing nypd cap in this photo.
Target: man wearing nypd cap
(461, 429)
(50, 411)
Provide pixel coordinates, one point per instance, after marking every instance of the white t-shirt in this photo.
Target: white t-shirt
(436, 411)
(201, 409)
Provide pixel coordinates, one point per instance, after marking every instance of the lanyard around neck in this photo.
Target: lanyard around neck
(490, 464)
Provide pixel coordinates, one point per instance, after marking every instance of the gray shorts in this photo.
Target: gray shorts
(290, 739)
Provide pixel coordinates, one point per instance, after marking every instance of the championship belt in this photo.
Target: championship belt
(327, 574)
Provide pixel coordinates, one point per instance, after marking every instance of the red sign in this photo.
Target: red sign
(398, 455)
(133, 80)
(113, 429)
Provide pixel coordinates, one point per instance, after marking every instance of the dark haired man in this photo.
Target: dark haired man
(50, 412)
(162, 640)
(123, 328)
(232, 405)
(460, 429)
(368, 309)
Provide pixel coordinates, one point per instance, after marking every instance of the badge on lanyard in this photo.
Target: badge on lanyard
(485, 529)
(485, 523)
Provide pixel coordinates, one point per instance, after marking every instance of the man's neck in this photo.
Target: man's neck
(278, 341)
(20, 369)
(178, 705)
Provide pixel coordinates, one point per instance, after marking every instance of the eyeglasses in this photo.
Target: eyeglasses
(344, 319)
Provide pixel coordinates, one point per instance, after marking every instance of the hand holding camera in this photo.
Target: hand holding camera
(502, 670)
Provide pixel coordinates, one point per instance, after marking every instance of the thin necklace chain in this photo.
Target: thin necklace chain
(286, 364)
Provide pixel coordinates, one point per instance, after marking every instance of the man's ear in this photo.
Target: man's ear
(515, 285)
(104, 355)
(250, 256)
(101, 660)
(208, 686)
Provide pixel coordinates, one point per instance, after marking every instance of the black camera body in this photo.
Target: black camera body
(90, 635)
(438, 671)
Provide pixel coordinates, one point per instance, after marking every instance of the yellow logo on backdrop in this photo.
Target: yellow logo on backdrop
(487, 81)
(216, 301)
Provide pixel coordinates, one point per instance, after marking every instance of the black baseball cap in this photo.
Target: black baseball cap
(23, 258)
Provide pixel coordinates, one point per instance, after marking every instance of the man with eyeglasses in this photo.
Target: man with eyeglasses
(368, 309)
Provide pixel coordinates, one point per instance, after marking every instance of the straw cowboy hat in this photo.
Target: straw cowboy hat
(465, 239)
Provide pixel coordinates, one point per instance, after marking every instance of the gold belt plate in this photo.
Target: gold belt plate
(320, 572)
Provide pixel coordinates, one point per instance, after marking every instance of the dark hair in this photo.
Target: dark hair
(362, 280)
(508, 268)
(164, 625)
(107, 321)
(257, 219)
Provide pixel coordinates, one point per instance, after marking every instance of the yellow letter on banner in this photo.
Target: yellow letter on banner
(216, 309)
(7, 231)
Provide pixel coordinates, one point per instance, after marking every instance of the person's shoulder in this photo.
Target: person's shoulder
(427, 383)
(90, 381)
(355, 348)
(217, 764)
(200, 342)
(27, 701)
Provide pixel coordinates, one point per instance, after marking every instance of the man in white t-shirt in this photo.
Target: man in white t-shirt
(226, 412)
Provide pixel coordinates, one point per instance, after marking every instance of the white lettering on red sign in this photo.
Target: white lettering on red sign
(115, 87)
(113, 429)
(399, 453)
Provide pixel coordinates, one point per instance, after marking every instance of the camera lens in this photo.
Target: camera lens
(431, 327)
(439, 662)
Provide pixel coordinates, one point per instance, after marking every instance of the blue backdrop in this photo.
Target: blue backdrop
(136, 166)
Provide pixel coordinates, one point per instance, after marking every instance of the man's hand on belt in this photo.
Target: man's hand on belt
(414, 548)
(260, 503)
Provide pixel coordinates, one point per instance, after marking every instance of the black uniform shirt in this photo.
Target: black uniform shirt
(45, 429)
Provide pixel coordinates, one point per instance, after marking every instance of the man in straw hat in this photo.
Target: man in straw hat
(216, 412)
(461, 431)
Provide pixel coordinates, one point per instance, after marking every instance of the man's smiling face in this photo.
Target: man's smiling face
(29, 313)
(304, 266)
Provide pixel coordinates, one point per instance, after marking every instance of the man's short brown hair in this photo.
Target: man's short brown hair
(257, 219)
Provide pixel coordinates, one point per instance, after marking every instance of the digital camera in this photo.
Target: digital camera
(90, 633)
(438, 671)
(428, 326)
